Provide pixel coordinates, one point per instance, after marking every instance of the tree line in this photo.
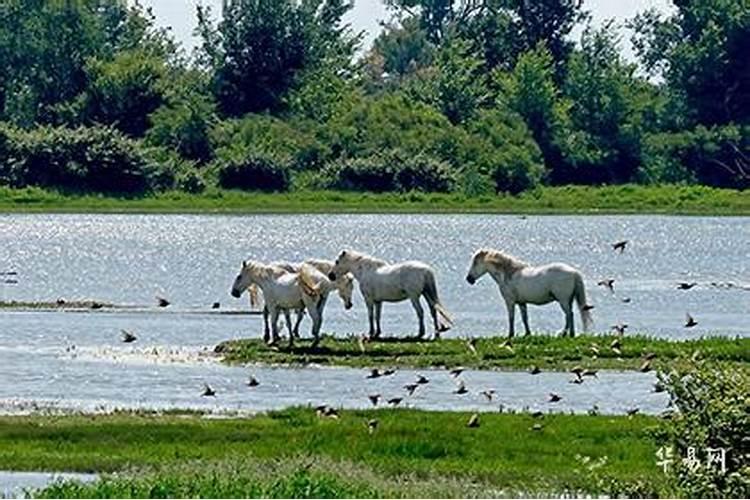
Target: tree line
(476, 96)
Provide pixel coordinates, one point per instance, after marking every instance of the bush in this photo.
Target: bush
(184, 123)
(253, 171)
(713, 403)
(718, 156)
(191, 181)
(391, 171)
(269, 136)
(502, 148)
(98, 159)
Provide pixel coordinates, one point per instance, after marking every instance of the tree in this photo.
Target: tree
(607, 103)
(45, 46)
(530, 91)
(404, 48)
(456, 83)
(123, 91)
(261, 47)
(701, 50)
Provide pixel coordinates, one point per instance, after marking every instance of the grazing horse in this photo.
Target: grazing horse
(285, 291)
(521, 283)
(381, 282)
(344, 285)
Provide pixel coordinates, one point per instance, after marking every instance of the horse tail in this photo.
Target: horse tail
(431, 294)
(583, 307)
(307, 283)
(254, 292)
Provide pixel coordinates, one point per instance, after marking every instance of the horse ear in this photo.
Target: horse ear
(244, 263)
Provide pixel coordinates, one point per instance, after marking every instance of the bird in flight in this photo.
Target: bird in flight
(689, 321)
(620, 245)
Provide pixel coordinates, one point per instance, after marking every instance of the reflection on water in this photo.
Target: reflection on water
(71, 360)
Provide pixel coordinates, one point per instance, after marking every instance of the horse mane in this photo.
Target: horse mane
(502, 261)
(263, 271)
(363, 257)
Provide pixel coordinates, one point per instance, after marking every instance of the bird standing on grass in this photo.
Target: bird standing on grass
(473, 421)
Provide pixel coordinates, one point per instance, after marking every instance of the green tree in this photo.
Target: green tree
(45, 46)
(123, 91)
(404, 48)
(261, 47)
(530, 91)
(185, 120)
(607, 107)
(701, 50)
(455, 84)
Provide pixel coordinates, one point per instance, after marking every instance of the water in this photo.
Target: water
(67, 360)
(15, 484)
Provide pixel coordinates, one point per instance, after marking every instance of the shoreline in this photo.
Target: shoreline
(565, 200)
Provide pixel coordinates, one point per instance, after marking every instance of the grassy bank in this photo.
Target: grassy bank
(296, 453)
(548, 200)
(546, 352)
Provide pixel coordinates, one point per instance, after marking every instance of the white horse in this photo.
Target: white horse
(381, 282)
(344, 285)
(521, 283)
(285, 291)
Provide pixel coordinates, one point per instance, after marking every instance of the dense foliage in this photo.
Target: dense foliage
(713, 413)
(453, 95)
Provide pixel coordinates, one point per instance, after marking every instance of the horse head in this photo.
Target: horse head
(242, 281)
(478, 267)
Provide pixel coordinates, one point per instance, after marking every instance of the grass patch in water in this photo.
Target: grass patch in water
(547, 352)
(421, 451)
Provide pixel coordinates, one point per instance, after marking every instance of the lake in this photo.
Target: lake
(75, 360)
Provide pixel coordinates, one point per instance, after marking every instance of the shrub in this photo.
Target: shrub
(502, 148)
(96, 159)
(718, 156)
(390, 171)
(713, 403)
(253, 171)
(294, 144)
(184, 124)
(191, 181)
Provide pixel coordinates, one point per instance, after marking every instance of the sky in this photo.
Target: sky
(367, 15)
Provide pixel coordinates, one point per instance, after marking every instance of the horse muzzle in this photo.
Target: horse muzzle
(471, 279)
(236, 294)
(332, 276)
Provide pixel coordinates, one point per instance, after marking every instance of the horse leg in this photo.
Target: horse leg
(274, 324)
(371, 317)
(511, 318)
(567, 308)
(288, 318)
(300, 316)
(378, 311)
(317, 320)
(525, 318)
(420, 315)
(266, 329)
(571, 318)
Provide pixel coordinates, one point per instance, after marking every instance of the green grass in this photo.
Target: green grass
(625, 199)
(547, 352)
(411, 453)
